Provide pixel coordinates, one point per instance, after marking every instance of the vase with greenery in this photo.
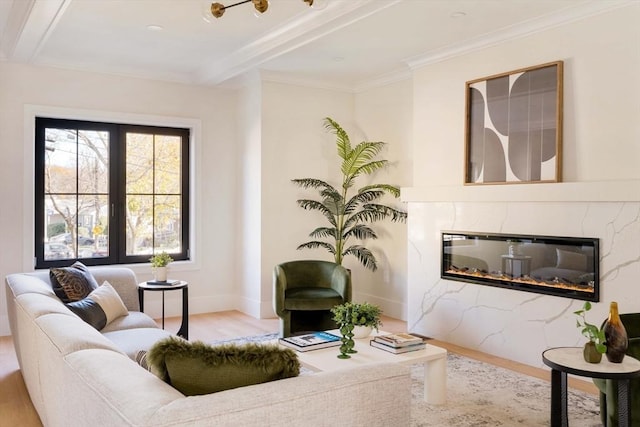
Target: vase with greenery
(159, 263)
(363, 316)
(350, 211)
(595, 347)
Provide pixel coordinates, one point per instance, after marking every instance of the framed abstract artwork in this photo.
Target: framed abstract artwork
(514, 126)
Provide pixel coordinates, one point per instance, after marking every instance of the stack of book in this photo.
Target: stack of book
(398, 343)
(312, 341)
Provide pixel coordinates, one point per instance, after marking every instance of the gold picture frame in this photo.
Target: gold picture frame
(513, 126)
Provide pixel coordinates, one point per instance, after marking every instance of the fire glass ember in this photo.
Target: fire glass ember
(561, 266)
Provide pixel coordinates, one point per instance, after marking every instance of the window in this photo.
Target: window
(110, 193)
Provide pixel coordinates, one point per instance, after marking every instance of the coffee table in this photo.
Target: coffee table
(433, 358)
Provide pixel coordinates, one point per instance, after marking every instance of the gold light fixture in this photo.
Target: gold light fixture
(217, 9)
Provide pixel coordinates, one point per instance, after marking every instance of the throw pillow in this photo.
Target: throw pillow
(141, 359)
(72, 283)
(571, 260)
(100, 307)
(195, 368)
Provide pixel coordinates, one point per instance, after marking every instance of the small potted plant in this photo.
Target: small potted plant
(363, 316)
(595, 347)
(159, 262)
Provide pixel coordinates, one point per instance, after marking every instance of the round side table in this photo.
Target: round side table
(181, 284)
(569, 360)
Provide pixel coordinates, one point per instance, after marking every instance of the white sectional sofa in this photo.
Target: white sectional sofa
(79, 376)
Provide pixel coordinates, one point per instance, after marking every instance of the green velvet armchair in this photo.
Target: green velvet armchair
(305, 291)
(609, 388)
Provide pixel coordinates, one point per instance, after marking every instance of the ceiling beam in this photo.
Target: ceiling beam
(28, 26)
(298, 32)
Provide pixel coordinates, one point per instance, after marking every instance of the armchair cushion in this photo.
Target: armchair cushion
(311, 299)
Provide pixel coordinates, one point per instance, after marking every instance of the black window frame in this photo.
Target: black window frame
(116, 193)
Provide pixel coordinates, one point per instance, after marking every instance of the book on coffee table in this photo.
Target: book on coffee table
(161, 283)
(397, 350)
(311, 341)
(398, 340)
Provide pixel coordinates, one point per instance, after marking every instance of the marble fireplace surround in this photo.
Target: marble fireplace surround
(504, 322)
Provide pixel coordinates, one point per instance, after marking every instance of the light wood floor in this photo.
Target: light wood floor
(16, 408)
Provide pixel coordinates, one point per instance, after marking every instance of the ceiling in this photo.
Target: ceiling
(349, 44)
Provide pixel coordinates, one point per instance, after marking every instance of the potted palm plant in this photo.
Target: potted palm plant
(349, 211)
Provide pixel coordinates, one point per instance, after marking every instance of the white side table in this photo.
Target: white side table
(569, 360)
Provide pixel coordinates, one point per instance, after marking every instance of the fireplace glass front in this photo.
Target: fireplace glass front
(561, 266)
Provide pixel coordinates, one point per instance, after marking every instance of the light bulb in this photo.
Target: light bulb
(319, 4)
(205, 10)
(260, 7)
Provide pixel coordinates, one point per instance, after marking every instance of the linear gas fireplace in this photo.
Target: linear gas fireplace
(561, 266)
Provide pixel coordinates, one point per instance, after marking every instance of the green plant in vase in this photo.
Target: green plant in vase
(358, 314)
(159, 263)
(595, 347)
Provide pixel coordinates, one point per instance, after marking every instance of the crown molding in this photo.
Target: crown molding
(530, 27)
(383, 80)
(296, 80)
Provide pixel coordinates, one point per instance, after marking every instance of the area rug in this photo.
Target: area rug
(484, 395)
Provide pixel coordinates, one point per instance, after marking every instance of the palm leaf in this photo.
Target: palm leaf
(361, 232)
(321, 232)
(314, 205)
(342, 138)
(315, 244)
(362, 154)
(361, 199)
(390, 189)
(313, 183)
(375, 212)
(363, 255)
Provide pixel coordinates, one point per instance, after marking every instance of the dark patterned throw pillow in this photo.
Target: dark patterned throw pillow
(72, 283)
(101, 307)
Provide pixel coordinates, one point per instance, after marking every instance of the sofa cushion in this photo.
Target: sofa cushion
(195, 368)
(72, 283)
(133, 320)
(311, 298)
(571, 260)
(130, 341)
(102, 306)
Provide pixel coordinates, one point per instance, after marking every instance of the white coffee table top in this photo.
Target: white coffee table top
(326, 359)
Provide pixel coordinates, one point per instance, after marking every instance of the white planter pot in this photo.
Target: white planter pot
(160, 274)
(362, 331)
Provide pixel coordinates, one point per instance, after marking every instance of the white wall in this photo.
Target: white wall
(386, 114)
(248, 252)
(601, 102)
(601, 157)
(211, 112)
